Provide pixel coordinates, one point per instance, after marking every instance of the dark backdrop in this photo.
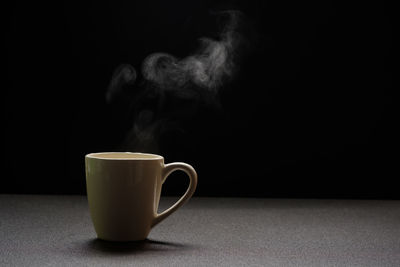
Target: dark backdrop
(309, 114)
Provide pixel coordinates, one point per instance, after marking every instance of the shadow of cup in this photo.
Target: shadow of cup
(147, 245)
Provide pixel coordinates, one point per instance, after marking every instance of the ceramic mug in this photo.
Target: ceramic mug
(123, 191)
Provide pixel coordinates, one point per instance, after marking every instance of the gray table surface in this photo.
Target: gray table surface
(57, 231)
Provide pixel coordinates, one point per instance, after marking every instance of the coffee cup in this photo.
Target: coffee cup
(124, 189)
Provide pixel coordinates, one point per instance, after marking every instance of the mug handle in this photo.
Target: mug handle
(167, 170)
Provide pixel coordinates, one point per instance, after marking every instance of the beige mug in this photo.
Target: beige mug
(123, 191)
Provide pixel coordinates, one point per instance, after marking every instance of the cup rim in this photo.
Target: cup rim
(136, 156)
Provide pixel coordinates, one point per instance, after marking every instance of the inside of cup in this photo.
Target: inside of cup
(123, 155)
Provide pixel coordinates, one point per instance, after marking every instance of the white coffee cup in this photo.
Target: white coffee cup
(124, 190)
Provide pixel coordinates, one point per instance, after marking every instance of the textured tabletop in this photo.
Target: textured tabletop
(57, 231)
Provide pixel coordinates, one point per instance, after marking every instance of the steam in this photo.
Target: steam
(196, 78)
(208, 68)
(123, 75)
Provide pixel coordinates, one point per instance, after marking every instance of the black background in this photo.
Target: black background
(310, 113)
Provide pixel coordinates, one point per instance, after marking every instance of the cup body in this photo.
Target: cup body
(123, 191)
